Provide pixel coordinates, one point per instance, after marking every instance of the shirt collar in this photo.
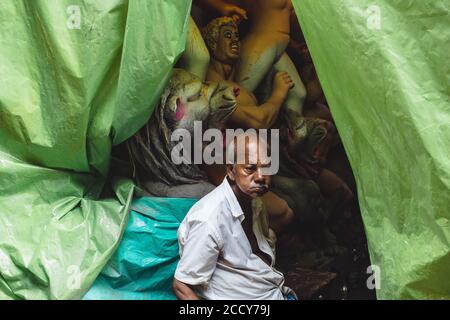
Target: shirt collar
(235, 207)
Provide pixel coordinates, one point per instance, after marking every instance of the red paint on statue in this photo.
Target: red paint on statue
(181, 110)
(236, 91)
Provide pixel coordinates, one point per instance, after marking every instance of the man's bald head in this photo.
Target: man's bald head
(246, 160)
(247, 148)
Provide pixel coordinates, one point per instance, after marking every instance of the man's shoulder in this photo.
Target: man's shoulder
(210, 207)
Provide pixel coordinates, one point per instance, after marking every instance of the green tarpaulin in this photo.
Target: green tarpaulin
(75, 77)
(78, 76)
(384, 68)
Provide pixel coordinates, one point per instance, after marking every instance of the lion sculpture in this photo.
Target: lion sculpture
(186, 99)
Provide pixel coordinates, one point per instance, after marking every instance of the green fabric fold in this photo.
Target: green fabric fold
(76, 78)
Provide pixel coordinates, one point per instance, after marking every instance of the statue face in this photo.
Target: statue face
(228, 45)
(190, 99)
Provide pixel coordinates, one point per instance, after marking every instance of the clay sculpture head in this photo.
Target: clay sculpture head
(185, 100)
(222, 39)
(306, 138)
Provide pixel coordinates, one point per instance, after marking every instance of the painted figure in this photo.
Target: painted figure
(222, 39)
(307, 139)
(196, 56)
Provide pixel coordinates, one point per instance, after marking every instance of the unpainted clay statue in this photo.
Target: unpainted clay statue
(316, 106)
(195, 58)
(263, 48)
(186, 99)
(222, 39)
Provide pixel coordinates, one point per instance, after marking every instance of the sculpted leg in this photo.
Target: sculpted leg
(254, 65)
(297, 95)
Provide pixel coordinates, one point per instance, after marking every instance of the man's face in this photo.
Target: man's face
(228, 45)
(249, 175)
(250, 180)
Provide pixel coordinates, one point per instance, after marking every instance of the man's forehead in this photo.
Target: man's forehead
(253, 151)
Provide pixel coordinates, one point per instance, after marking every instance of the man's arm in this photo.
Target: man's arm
(199, 250)
(183, 291)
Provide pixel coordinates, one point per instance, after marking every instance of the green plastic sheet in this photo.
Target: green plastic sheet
(383, 65)
(76, 77)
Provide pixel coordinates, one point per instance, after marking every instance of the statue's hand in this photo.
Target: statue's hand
(230, 10)
(282, 83)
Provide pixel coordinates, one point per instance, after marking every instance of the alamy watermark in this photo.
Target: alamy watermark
(373, 14)
(73, 281)
(208, 147)
(74, 19)
(374, 280)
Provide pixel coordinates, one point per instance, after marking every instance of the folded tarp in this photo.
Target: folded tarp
(144, 264)
(76, 77)
(383, 65)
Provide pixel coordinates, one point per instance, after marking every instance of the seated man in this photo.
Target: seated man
(226, 246)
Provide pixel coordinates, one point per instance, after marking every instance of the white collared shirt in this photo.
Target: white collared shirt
(216, 255)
